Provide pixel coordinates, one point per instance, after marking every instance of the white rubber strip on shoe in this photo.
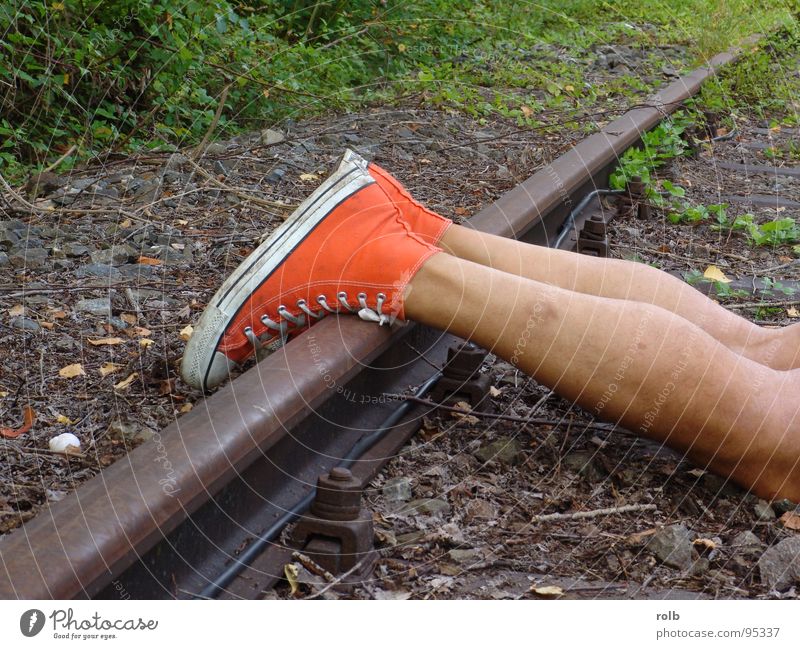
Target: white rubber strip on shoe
(200, 361)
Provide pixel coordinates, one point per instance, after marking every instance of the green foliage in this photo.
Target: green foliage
(764, 312)
(96, 75)
(773, 233)
(659, 146)
(763, 82)
(697, 213)
(721, 289)
(88, 76)
(772, 285)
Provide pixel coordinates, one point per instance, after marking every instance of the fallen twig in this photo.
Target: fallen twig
(622, 509)
(200, 149)
(68, 153)
(338, 580)
(541, 421)
(755, 305)
(313, 566)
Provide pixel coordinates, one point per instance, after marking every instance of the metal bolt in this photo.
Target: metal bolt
(340, 474)
(338, 496)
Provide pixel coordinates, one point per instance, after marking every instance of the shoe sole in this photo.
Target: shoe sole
(201, 361)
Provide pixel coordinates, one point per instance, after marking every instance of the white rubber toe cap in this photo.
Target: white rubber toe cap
(203, 367)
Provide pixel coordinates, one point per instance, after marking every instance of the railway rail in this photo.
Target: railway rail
(197, 511)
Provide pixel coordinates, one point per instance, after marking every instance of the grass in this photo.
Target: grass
(764, 84)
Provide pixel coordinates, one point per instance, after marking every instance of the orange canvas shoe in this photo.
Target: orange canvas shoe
(346, 249)
(426, 223)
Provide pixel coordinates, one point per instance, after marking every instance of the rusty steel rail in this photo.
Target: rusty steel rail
(173, 512)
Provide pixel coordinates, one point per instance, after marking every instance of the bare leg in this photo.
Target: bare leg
(624, 280)
(639, 364)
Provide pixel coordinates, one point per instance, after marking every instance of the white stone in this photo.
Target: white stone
(62, 443)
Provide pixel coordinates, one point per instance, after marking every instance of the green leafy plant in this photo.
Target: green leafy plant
(721, 289)
(772, 233)
(82, 77)
(771, 286)
(764, 312)
(662, 144)
(696, 213)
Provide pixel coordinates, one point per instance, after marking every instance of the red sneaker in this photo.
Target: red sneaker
(425, 223)
(346, 249)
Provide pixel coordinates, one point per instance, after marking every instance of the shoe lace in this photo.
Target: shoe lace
(282, 327)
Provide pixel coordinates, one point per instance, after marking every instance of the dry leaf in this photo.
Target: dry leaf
(638, 538)
(63, 419)
(106, 341)
(547, 591)
(16, 310)
(129, 318)
(308, 177)
(465, 417)
(71, 371)
(46, 325)
(166, 386)
(126, 223)
(145, 342)
(704, 544)
(125, 382)
(28, 417)
(141, 331)
(186, 332)
(58, 314)
(109, 368)
(790, 521)
(292, 571)
(715, 274)
(186, 407)
(149, 261)
(792, 312)
(181, 221)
